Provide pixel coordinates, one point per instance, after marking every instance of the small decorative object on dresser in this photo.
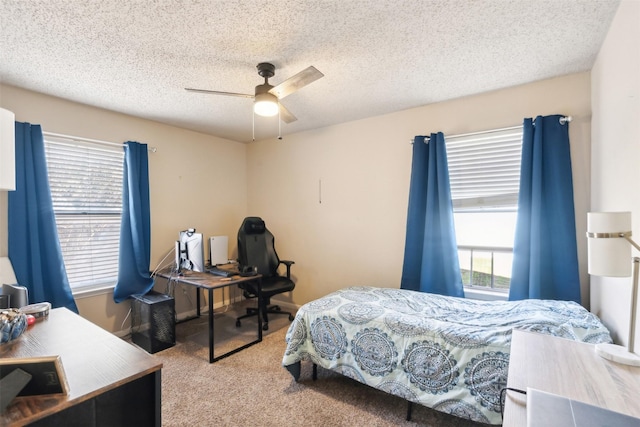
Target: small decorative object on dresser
(46, 374)
(12, 324)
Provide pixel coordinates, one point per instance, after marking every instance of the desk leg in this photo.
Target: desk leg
(212, 358)
(210, 325)
(197, 301)
(260, 309)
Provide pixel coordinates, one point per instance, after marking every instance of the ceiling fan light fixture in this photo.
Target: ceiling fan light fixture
(266, 101)
(265, 104)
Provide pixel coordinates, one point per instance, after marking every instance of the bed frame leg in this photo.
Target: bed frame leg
(315, 372)
(294, 370)
(409, 408)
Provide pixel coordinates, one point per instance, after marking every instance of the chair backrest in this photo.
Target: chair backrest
(256, 247)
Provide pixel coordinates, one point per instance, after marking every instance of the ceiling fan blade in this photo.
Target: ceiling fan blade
(285, 115)
(215, 92)
(293, 83)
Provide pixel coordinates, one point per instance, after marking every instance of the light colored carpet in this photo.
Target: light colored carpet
(251, 388)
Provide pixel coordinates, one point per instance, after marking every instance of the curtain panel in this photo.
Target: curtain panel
(134, 277)
(545, 255)
(34, 245)
(431, 254)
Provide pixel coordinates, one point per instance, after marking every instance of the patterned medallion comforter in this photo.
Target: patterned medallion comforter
(447, 353)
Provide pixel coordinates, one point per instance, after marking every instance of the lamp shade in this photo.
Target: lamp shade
(7, 150)
(609, 252)
(265, 104)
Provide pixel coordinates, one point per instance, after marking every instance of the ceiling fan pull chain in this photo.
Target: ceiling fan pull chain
(279, 124)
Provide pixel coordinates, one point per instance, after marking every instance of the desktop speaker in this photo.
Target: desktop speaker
(218, 250)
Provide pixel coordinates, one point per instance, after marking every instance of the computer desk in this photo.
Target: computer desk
(209, 282)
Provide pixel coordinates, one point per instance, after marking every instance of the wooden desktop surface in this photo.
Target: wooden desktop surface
(568, 368)
(94, 361)
(206, 280)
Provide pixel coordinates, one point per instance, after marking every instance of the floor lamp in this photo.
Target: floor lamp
(609, 242)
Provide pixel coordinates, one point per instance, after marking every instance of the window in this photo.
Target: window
(86, 188)
(484, 171)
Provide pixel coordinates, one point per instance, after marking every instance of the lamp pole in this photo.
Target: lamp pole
(634, 298)
(634, 293)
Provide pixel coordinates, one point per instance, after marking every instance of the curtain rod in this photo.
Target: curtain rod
(563, 120)
(95, 141)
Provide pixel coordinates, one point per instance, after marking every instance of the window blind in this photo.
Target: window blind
(86, 189)
(484, 170)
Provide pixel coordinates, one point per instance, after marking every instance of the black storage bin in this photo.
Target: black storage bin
(153, 325)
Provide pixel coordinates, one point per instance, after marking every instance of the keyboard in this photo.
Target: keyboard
(219, 272)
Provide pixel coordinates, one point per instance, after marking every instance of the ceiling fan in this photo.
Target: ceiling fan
(267, 97)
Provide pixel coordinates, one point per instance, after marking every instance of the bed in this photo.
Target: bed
(446, 353)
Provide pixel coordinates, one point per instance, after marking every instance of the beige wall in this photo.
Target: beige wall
(196, 180)
(616, 152)
(336, 198)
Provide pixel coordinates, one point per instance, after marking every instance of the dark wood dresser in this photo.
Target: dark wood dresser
(110, 382)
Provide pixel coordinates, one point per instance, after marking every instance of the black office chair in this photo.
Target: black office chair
(256, 249)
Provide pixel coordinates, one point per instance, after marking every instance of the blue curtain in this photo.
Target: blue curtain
(134, 277)
(34, 246)
(545, 255)
(431, 255)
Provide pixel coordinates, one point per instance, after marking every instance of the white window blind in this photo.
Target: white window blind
(86, 188)
(484, 169)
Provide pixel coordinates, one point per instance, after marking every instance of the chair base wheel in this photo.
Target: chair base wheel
(274, 309)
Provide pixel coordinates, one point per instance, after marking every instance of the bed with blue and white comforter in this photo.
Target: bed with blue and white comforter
(446, 353)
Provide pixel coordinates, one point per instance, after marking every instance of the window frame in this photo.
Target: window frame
(492, 188)
(93, 196)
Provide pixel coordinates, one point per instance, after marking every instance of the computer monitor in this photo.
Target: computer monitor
(189, 251)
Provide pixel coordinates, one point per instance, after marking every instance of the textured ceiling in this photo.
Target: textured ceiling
(378, 56)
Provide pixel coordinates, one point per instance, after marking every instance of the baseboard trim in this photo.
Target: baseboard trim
(285, 305)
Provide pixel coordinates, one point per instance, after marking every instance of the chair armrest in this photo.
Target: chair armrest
(288, 264)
